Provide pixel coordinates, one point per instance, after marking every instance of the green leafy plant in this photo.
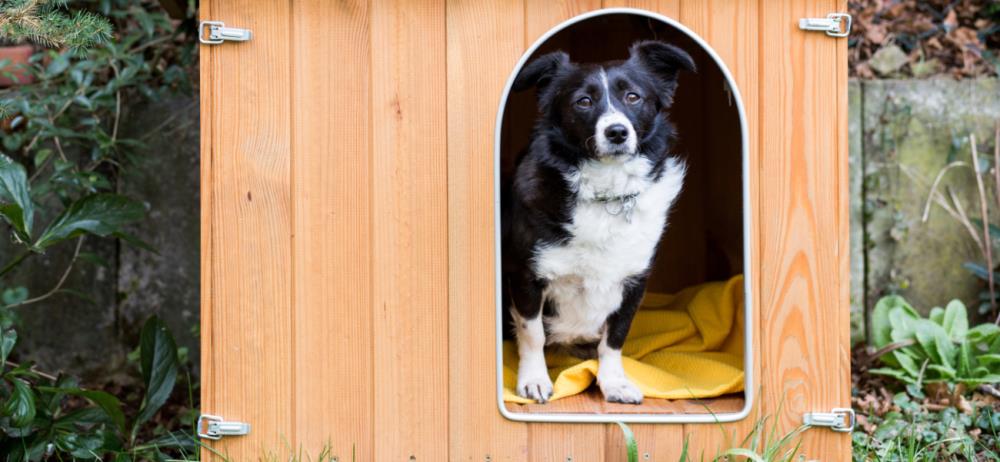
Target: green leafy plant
(62, 156)
(764, 443)
(939, 348)
(48, 417)
(913, 433)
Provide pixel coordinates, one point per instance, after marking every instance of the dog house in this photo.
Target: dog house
(352, 157)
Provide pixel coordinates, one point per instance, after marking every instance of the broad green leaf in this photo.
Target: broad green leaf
(21, 404)
(881, 326)
(101, 214)
(944, 372)
(158, 358)
(8, 338)
(964, 358)
(980, 271)
(937, 315)
(983, 333)
(935, 342)
(15, 198)
(907, 363)
(14, 295)
(107, 402)
(956, 320)
(894, 373)
(991, 361)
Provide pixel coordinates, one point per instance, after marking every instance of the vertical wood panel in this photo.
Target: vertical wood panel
(249, 259)
(804, 307)
(485, 40)
(410, 265)
(209, 399)
(660, 442)
(547, 441)
(332, 182)
(668, 8)
(730, 27)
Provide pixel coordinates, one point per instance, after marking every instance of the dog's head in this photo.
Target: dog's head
(606, 110)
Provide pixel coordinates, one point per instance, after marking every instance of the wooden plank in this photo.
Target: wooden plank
(332, 183)
(730, 27)
(542, 15)
(485, 40)
(207, 110)
(668, 8)
(248, 262)
(547, 441)
(410, 175)
(804, 309)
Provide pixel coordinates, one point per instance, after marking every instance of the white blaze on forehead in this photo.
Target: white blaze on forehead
(611, 117)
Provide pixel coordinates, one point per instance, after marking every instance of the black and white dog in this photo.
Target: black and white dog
(586, 209)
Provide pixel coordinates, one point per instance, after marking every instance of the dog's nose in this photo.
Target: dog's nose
(616, 133)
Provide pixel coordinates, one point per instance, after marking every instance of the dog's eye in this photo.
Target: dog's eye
(632, 98)
(584, 102)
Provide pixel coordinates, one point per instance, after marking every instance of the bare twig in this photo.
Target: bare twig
(934, 186)
(957, 211)
(989, 390)
(889, 348)
(54, 117)
(965, 221)
(118, 102)
(985, 217)
(35, 371)
(62, 279)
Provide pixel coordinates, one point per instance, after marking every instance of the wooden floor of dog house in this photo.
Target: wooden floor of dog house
(592, 402)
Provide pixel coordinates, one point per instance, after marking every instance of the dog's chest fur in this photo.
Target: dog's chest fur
(587, 273)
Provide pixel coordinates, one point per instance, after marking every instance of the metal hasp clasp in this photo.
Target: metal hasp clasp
(214, 427)
(218, 33)
(834, 24)
(838, 420)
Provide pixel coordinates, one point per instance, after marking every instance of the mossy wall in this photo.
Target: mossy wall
(902, 133)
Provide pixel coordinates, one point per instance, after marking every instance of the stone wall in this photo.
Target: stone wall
(902, 133)
(91, 335)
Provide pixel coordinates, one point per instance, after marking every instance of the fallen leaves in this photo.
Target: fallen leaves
(911, 38)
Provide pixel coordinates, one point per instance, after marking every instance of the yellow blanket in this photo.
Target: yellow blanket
(683, 346)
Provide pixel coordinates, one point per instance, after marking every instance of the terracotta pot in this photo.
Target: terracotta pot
(16, 57)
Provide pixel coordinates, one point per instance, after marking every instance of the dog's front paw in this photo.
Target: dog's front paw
(620, 390)
(534, 385)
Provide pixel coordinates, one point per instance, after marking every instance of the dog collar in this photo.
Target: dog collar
(625, 206)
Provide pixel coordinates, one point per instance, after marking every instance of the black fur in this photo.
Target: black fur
(538, 203)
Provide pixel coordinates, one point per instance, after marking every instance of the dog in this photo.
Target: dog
(587, 207)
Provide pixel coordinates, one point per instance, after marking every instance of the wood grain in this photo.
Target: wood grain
(332, 182)
(730, 28)
(484, 43)
(348, 242)
(547, 441)
(656, 442)
(803, 235)
(249, 258)
(410, 216)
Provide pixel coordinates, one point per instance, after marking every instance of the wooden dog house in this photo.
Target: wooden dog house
(349, 165)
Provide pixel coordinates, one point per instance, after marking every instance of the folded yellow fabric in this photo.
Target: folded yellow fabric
(683, 346)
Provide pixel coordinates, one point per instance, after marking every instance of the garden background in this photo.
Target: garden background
(103, 119)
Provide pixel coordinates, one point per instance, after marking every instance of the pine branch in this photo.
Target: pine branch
(48, 23)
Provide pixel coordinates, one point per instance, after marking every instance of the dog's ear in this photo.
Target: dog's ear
(665, 61)
(539, 72)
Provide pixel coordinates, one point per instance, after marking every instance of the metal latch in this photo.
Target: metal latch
(214, 427)
(218, 33)
(838, 420)
(834, 24)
